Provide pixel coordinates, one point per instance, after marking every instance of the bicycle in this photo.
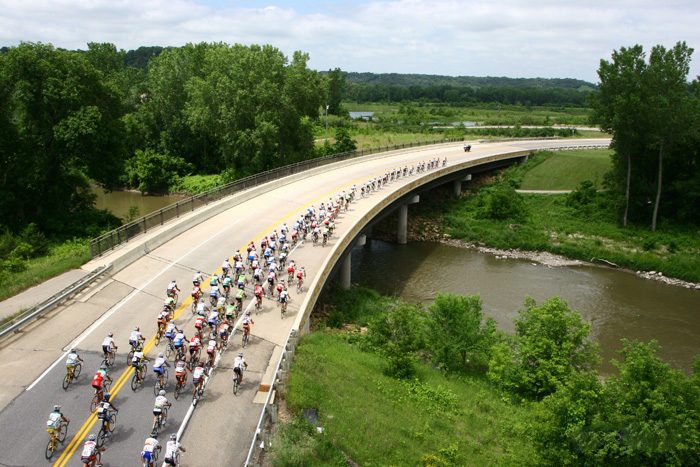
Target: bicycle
(246, 338)
(159, 334)
(179, 353)
(160, 420)
(72, 373)
(169, 349)
(179, 385)
(237, 382)
(107, 427)
(139, 377)
(108, 359)
(154, 459)
(258, 304)
(137, 348)
(198, 391)
(300, 285)
(283, 308)
(55, 437)
(194, 359)
(97, 397)
(161, 382)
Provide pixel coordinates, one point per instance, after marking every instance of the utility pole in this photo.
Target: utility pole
(327, 120)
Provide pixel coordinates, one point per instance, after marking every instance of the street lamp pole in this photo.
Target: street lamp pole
(327, 120)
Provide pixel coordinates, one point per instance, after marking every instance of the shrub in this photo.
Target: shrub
(502, 202)
(583, 196)
(154, 172)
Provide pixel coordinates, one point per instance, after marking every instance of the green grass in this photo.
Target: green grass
(564, 170)
(377, 420)
(193, 184)
(61, 258)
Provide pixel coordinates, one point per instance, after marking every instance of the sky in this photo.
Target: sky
(513, 38)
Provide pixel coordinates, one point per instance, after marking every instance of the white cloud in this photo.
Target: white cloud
(550, 38)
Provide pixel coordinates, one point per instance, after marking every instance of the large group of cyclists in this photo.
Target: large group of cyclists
(266, 270)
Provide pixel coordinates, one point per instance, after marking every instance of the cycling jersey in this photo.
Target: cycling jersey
(194, 343)
(258, 291)
(239, 362)
(197, 373)
(103, 410)
(171, 448)
(108, 343)
(214, 292)
(179, 339)
(135, 337)
(213, 316)
(214, 281)
(227, 281)
(159, 365)
(240, 295)
(160, 403)
(98, 379)
(89, 449)
(211, 347)
(136, 359)
(72, 359)
(284, 295)
(54, 420)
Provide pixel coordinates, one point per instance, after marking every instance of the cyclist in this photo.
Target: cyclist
(72, 360)
(159, 367)
(271, 277)
(172, 289)
(213, 318)
(149, 448)
(197, 279)
(201, 307)
(179, 341)
(169, 304)
(90, 450)
(105, 409)
(257, 274)
(226, 284)
(291, 268)
(258, 294)
(159, 405)
(301, 274)
(221, 305)
(181, 371)
(211, 349)
(171, 449)
(55, 420)
(225, 267)
(171, 331)
(199, 323)
(238, 366)
(136, 339)
(241, 281)
(238, 266)
(108, 346)
(214, 281)
(195, 342)
(247, 322)
(231, 313)
(240, 296)
(223, 332)
(214, 294)
(163, 318)
(237, 256)
(198, 375)
(284, 298)
(196, 293)
(99, 379)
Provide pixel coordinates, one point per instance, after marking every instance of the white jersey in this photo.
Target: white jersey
(197, 278)
(72, 359)
(160, 361)
(108, 342)
(171, 448)
(161, 401)
(171, 327)
(211, 346)
(150, 445)
(200, 308)
(54, 420)
(89, 449)
(172, 286)
(135, 336)
(198, 372)
(213, 315)
(138, 356)
(225, 265)
(239, 363)
(181, 366)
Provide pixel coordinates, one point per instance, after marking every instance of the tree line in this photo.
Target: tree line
(653, 113)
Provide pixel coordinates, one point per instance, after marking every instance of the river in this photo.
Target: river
(618, 304)
(119, 202)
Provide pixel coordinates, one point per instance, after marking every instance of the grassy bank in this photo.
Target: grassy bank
(549, 223)
(60, 258)
(373, 419)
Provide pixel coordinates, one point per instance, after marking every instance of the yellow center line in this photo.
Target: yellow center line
(92, 418)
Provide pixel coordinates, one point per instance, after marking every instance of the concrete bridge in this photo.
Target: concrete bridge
(220, 429)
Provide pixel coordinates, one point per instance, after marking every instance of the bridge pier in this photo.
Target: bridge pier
(346, 267)
(457, 185)
(402, 228)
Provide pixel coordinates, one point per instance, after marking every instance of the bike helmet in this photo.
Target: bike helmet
(161, 392)
(240, 354)
(92, 437)
(107, 396)
(136, 328)
(173, 436)
(247, 313)
(161, 355)
(111, 334)
(73, 350)
(103, 367)
(56, 408)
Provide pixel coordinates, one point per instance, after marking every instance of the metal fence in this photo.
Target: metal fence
(126, 232)
(37, 311)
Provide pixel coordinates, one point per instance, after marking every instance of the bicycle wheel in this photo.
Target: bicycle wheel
(134, 382)
(101, 435)
(157, 340)
(66, 381)
(110, 359)
(168, 350)
(236, 385)
(178, 389)
(245, 339)
(63, 432)
(113, 423)
(76, 371)
(50, 448)
(156, 387)
(94, 403)
(130, 356)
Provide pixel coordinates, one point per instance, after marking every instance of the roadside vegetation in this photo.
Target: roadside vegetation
(397, 384)
(565, 170)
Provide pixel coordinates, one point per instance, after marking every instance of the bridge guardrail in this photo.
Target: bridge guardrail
(52, 302)
(126, 232)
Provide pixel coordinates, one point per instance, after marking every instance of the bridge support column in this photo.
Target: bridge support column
(457, 185)
(345, 268)
(402, 228)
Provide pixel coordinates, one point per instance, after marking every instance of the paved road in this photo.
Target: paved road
(222, 426)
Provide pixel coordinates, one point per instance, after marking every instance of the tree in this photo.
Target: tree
(458, 335)
(61, 126)
(343, 141)
(550, 345)
(153, 172)
(336, 88)
(669, 98)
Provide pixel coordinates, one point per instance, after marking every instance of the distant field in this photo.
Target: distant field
(564, 170)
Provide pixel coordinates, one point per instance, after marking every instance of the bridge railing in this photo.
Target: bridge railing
(126, 232)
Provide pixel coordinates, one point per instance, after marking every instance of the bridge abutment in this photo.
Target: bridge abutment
(402, 227)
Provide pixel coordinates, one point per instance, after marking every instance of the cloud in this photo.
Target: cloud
(515, 38)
